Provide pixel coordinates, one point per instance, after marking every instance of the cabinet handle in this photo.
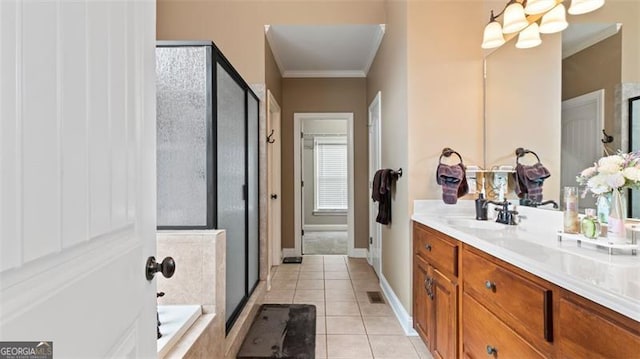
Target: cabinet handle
(430, 292)
(491, 350)
(490, 285)
(427, 247)
(428, 286)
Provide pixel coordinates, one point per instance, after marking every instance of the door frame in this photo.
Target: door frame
(297, 176)
(274, 240)
(375, 161)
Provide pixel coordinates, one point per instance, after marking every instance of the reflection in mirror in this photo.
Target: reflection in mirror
(591, 71)
(527, 94)
(634, 145)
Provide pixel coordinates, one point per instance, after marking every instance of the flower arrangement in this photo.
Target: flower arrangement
(618, 171)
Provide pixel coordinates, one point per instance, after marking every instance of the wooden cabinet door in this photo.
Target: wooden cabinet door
(445, 316)
(421, 314)
(588, 330)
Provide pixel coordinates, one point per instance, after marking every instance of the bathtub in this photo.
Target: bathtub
(176, 320)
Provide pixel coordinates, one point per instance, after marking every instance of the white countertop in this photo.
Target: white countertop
(611, 280)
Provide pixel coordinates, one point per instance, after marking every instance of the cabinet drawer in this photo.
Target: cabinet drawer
(521, 303)
(436, 248)
(484, 335)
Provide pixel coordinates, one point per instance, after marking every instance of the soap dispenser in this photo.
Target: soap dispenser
(481, 207)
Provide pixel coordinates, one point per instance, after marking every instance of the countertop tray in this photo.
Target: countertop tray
(600, 242)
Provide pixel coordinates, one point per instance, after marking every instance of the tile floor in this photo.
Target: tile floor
(348, 326)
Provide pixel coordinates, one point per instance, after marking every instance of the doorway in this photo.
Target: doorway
(375, 162)
(274, 221)
(323, 174)
(582, 124)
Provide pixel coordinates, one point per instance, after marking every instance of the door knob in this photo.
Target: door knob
(274, 196)
(167, 267)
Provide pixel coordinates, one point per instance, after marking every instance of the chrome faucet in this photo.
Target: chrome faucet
(505, 215)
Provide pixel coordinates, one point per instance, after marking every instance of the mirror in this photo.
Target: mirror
(525, 90)
(634, 145)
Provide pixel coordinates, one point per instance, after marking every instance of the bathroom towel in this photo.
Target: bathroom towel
(529, 180)
(381, 193)
(453, 180)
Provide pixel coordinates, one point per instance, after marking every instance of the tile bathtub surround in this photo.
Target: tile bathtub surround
(348, 325)
(200, 268)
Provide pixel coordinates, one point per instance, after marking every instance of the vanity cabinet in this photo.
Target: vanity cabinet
(467, 303)
(435, 289)
(516, 307)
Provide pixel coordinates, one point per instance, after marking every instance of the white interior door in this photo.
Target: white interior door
(375, 235)
(77, 180)
(582, 124)
(274, 173)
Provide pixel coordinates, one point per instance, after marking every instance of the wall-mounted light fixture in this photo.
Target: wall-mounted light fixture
(530, 18)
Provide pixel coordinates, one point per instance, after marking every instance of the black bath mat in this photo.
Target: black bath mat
(292, 260)
(281, 331)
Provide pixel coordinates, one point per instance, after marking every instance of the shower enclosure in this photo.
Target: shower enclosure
(207, 156)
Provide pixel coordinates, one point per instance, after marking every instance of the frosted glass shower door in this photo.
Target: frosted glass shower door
(184, 140)
(231, 184)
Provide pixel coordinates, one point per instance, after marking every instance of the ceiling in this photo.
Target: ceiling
(324, 50)
(579, 36)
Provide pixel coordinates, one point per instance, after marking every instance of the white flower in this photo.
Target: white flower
(616, 180)
(598, 184)
(632, 173)
(614, 160)
(612, 173)
(589, 172)
(609, 168)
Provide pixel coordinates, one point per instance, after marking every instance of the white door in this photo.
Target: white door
(274, 171)
(582, 124)
(375, 235)
(77, 180)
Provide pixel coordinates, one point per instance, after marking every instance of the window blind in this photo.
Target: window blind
(330, 173)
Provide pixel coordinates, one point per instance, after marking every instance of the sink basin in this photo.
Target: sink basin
(472, 223)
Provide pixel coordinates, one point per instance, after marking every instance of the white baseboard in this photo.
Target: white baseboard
(290, 252)
(359, 253)
(406, 321)
(324, 227)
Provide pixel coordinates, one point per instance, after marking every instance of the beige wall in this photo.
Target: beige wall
(523, 90)
(389, 74)
(326, 95)
(431, 98)
(626, 12)
(237, 27)
(596, 67)
(273, 78)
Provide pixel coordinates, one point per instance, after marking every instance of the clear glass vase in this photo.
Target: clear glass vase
(603, 206)
(616, 232)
